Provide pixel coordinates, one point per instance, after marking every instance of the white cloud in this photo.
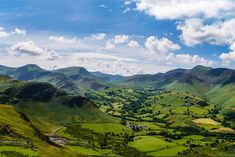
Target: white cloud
(99, 36)
(227, 58)
(110, 64)
(194, 32)
(179, 9)
(104, 6)
(90, 55)
(29, 48)
(126, 10)
(133, 43)
(162, 51)
(19, 31)
(120, 54)
(3, 34)
(119, 67)
(63, 40)
(160, 47)
(187, 59)
(127, 2)
(120, 39)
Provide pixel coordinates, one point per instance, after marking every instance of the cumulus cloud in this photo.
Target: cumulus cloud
(227, 58)
(119, 67)
(31, 49)
(120, 39)
(133, 43)
(163, 50)
(19, 31)
(63, 40)
(99, 36)
(179, 9)
(187, 59)
(3, 33)
(160, 47)
(194, 32)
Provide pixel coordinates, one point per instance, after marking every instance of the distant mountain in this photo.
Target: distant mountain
(73, 79)
(207, 76)
(216, 85)
(33, 72)
(199, 79)
(108, 77)
(6, 70)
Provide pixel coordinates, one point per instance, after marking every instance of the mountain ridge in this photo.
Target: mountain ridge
(79, 80)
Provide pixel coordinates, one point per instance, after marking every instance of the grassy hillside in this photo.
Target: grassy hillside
(196, 88)
(20, 138)
(223, 95)
(61, 121)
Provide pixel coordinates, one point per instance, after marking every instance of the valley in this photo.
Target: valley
(73, 112)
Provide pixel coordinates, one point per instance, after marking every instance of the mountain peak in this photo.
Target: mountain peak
(201, 67)
(73, 70)
(31, 67)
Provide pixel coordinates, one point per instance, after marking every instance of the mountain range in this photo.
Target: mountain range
(79, 80)
(74, 77)
(216, 84)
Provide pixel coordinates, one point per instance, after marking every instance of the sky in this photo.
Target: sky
(124, 37)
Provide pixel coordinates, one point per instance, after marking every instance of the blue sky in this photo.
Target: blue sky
(118, 36)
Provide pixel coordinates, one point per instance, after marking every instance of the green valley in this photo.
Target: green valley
(184, 112)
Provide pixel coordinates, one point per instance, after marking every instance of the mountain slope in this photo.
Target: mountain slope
(22, 138)
(86, 80)
(75, 80)
(61, 118)
(6, 70)
(23, 125)
(198, 75)
(108, 77)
